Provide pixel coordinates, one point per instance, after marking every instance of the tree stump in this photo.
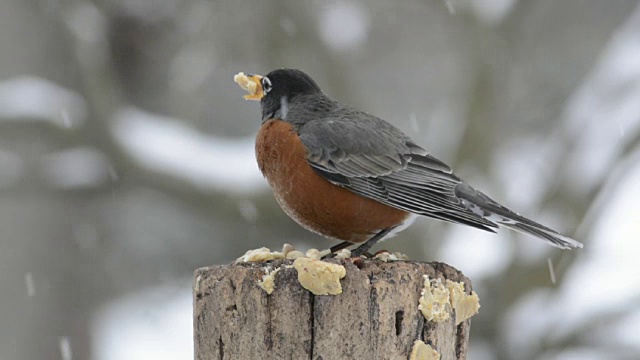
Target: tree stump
(375, 317)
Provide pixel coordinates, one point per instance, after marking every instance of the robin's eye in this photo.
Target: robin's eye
(266, 85)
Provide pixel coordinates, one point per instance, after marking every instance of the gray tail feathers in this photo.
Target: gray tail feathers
(484, 206)
(515, 222)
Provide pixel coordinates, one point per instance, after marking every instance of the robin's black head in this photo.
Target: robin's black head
(282, 86)
(277, 89)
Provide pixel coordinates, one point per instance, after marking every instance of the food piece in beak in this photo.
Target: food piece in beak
(250, 83)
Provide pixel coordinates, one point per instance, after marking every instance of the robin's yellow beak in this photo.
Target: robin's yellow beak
(251, 83)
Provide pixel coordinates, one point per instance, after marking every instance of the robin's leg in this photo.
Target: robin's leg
(343, 245)
(334, 249)
(362, 249)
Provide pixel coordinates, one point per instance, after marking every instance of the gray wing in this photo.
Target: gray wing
(374, 159)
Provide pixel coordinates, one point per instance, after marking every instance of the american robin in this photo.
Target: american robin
(351, 176)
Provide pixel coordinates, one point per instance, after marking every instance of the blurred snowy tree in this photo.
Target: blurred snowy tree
(126, 154)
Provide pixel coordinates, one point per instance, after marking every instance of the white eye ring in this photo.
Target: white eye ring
(266, 85)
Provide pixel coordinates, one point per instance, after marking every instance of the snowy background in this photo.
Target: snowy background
(126, 159)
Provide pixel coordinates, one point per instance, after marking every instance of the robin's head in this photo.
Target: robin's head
(276, 89)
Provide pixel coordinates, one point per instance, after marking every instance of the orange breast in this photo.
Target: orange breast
(308, 198)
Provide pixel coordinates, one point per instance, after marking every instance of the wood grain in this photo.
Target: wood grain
(376, 316)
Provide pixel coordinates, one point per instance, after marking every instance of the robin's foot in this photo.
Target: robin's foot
(330, 255)
(335, 250)
(340, 255)
(364, 248)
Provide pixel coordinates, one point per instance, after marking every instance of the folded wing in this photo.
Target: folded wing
(381, 163)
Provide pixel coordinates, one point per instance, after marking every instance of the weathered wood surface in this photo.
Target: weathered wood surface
(376, 316)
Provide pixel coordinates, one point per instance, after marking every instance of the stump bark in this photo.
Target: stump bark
(375, 317)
